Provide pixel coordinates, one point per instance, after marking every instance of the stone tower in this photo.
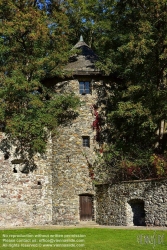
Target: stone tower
(61, 190)
(74, 148)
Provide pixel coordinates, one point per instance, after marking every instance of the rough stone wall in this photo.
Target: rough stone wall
(114, 205)
(71, 168)
(26, 199)
(50, 195)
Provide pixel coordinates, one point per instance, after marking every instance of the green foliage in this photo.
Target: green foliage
(134, 50)
(130, 39)
(33, 45)
(87, 18)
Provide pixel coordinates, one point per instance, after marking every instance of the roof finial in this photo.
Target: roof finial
(81, 38)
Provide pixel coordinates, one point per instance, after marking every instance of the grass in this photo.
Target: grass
(90, 239)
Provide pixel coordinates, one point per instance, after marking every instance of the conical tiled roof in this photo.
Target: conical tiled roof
(83, 62)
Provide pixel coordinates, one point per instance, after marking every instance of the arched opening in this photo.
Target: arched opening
(136, 213)
(86, 207)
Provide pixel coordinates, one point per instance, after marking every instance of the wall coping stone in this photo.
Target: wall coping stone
(132, 181)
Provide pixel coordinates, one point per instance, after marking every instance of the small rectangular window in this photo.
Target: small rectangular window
(86, 141)
(84, 88)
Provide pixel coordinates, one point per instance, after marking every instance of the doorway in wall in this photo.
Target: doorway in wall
(86, 207)
(136, 213)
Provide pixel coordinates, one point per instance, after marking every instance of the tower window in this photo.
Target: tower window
(86, 141)
(84, 88)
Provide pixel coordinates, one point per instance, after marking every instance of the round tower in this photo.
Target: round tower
(74, 147)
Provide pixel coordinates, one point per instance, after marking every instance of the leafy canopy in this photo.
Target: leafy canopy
(33, 47)
(135, 50)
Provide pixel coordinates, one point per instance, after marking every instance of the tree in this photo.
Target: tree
(34, 46)
(86, 18)
(135, 50)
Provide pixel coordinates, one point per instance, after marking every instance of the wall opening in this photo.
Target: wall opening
(136, 213)
(86, 207)
(84, 88)
(86, 141)
(14, 170)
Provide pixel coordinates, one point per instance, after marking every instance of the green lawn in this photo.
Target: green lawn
(87, 238)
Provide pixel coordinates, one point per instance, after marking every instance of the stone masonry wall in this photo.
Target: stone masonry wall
(50, 194)
(26, 199)
(71, 168)
(115, 203)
